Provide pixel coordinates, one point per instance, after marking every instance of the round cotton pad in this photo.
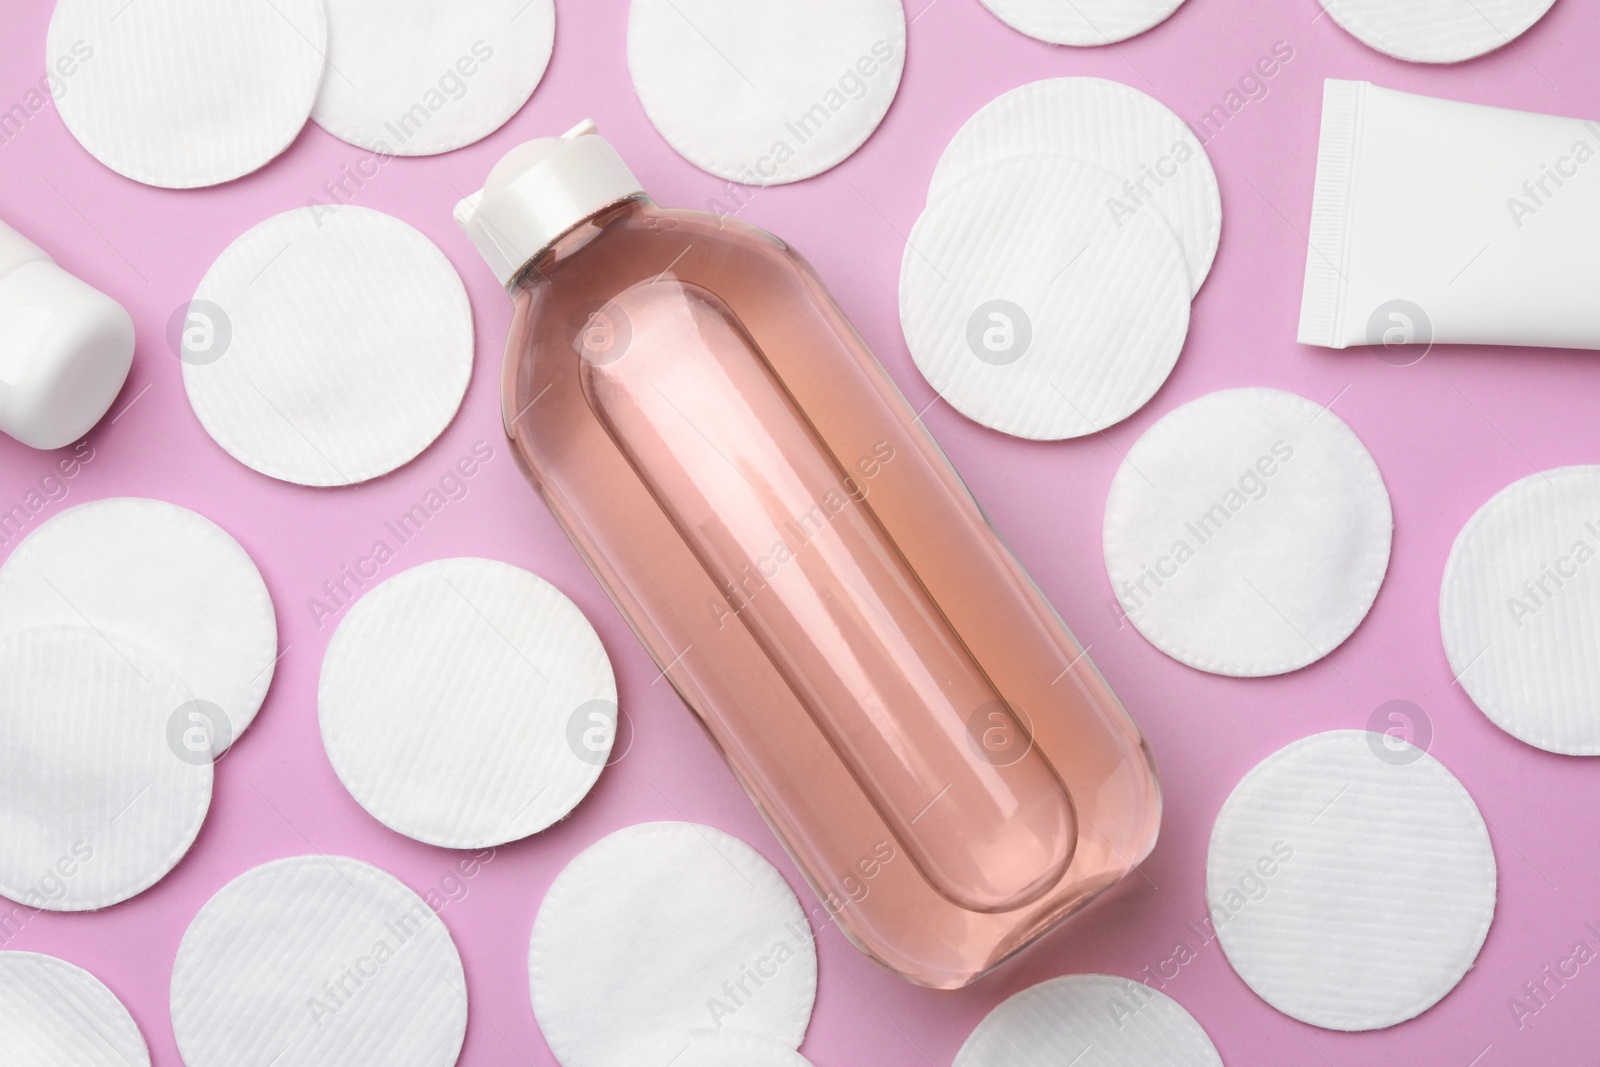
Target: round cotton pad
(95, 807)
(1033, 309)
(721, 1048)
(318, 961)
(702, 934)
(154, 576)
(1350, 890)
(766, 93)
(1436, 31)
(53, 1014)
(457, 699)
(1114, 126)
(186, 93)
(330, 346)
(416, 77)
(1247, 533)
(1084, 23)
(1089, 1020)
(1520, 606)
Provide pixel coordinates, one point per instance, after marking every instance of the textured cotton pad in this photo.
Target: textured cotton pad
(1350, 880)
(1088, 1020)
(1520, 608)
(416, 77)
(153, 576)
(337, 346)
(700, 934)
(1033, 309)
(1114, 126)
(95, 807)
(721, 1048)
(53, 1014)
(467, 703)
(1247, 533)
(762, 92)
(318, 961)
(1084, 23)
(1436, 31)
(186, 93)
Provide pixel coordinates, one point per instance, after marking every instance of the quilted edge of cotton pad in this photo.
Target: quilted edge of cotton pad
(1024, 23)
(169, 862)
(318, 42)
(718, 1047)
(347, 866)
(1350, 443)
(737, 171)
(1026, 97)
(1287, 752)
(454, 291)
(352, 133)
(1504, 716)
(1379, 35)
(257, 687)
(131, 1039)
(334, 743)
(912, 255)
(720, 840)
(1044, 997)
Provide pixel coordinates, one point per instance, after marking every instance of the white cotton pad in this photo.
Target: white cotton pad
(318, 961)
(1084, 23)
(95, 807)
(1089, 1020)
(1436, 31)
(1247, 533)
(53, 1014)
(1134, 136)
(1350, 880)
(720, 1048)
(159, 578)
(328, 346)
(700, 934)
(1034, 310)
(467, 703)
(762, 92)
(186, 93)
(1520, 608)
(416, 77)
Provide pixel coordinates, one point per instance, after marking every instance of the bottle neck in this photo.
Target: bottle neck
(578, 238)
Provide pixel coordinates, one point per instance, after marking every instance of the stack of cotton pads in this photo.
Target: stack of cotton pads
(188, 93)
(766, 93)
(318, 961)
(1520, 607)
(1247, 533)
(1088, 1020)
(1045, 290)
(467, 703)
(1436, 31)
(52, 1013)
(707, 961)
(1350, 880)
(137, 640)
(328, 346)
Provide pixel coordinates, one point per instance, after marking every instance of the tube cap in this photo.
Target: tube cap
(538, 192)
(65, 348)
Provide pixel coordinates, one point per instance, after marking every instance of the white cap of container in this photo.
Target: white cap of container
(538, 192)
(65, 348)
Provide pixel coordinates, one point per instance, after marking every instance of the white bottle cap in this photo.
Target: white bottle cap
(65, 348)
(538, 192)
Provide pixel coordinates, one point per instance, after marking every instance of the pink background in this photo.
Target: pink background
(1448, 433)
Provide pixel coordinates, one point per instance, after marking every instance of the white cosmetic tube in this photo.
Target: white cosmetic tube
(1438, 222)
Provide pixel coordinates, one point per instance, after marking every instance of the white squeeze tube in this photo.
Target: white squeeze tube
(1438, 222)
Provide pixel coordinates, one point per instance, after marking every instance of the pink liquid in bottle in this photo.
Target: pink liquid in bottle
(913, 719)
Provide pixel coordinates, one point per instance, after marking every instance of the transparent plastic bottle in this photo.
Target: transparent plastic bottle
(923, 734)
